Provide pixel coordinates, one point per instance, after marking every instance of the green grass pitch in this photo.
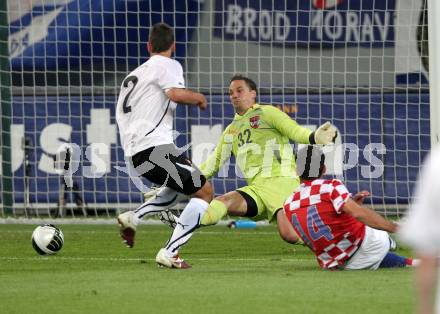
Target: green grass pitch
(234, 271)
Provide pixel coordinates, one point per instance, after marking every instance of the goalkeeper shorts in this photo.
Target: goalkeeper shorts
(270, 194)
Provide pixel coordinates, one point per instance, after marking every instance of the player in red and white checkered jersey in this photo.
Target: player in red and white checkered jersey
(340, 232)
(334, 236)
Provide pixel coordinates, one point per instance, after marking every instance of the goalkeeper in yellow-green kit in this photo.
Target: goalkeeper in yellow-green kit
(259, 138)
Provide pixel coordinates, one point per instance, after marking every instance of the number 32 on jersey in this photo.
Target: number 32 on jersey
(244, 137)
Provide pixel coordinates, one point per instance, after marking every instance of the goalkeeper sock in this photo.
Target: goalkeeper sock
(216, 211)
(163, 200)
(187, 223)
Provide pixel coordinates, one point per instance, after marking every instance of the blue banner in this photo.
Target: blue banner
(400, 122)
(82, 32)
(320, 23)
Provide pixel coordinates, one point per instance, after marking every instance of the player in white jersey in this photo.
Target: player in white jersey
(145, 113)
(422, 231)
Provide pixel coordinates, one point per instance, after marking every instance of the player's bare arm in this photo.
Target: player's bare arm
(368, 217)
(186, 96)
(359, 197)
(285, 228)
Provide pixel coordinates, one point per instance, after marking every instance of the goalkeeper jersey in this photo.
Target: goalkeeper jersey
(259, 140)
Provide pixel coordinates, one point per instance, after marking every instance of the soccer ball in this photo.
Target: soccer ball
(47, 239)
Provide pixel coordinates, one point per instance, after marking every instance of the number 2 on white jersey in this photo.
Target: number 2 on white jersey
(134, 80)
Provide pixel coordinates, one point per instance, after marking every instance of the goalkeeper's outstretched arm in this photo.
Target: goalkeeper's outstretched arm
(325, 134)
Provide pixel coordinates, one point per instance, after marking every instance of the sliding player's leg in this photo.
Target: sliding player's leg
(374, 253)
(392, 260)
(257, 201)
(273, 192)
(199, 213)
(242, 203)
(261, 200)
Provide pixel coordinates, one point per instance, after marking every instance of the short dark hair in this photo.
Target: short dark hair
(161, 37)
(250, 83)
(310, 162)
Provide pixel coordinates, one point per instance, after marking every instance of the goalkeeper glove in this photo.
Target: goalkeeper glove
(324, 135)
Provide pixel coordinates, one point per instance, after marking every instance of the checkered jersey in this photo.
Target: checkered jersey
(315, 211)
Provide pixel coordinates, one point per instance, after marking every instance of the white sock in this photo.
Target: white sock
(188, 222)
(163, 200)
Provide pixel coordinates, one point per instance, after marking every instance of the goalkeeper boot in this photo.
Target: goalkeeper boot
(163, 260)
(127, 228)
(168, 218)
(151, 193)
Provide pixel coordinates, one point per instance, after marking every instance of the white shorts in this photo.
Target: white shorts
(374, 247)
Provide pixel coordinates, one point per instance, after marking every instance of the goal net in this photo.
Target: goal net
(361, 64)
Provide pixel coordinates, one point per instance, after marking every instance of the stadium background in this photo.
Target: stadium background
(359, 64)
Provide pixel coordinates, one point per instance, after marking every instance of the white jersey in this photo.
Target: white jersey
(144, 112)
(421, 229)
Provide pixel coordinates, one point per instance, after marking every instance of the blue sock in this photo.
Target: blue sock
(393, 260)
